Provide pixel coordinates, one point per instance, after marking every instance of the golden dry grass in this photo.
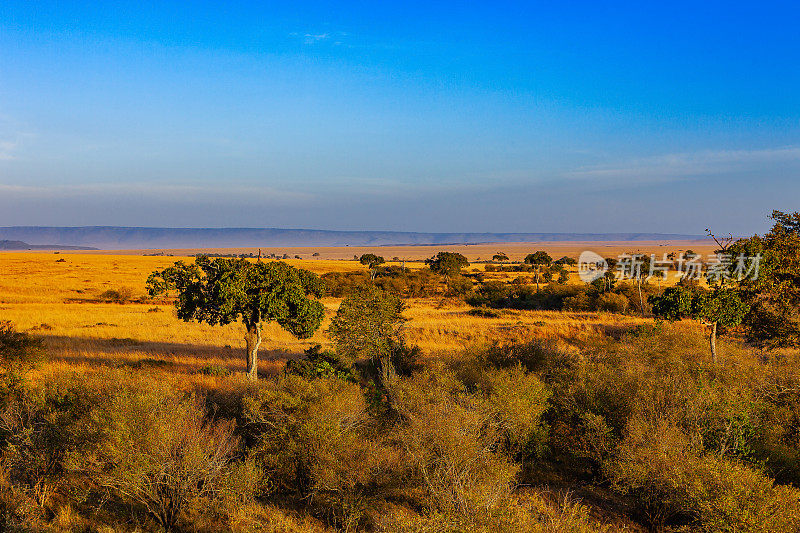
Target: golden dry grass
(516, 251)
(61, 301)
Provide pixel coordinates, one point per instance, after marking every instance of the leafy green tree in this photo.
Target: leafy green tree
(371, 261)
(604, 283)
(500, 257)
(223, 291)
(369, 325)
(538, 259)
(458, 285)
(447, 263)
(563, 277)
(720, 307)
(675, 303)
(774, 293)
(609, 280)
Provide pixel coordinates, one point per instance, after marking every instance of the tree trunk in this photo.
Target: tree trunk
(537, 279)
(712, 342)
(253, 341)
(641, 300)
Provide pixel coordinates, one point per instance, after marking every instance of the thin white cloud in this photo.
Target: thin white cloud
(335, 38)
(8, 150)
(12, 138)
(312, 38)
(161, 192)
(681, 166)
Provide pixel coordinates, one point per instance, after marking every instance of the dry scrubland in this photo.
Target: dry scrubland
(521, 421)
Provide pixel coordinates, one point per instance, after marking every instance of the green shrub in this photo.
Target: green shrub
(450, 445)
(148, 362)
(518, 400)
(612, 303)
(319, 363)
(45, 433)
(532, 514)
(458, 285)
(484, 312)
(243, 482)
(406, 359)
(119, 296)
(315, 442)
(579, 302)
(674, 482)
(533, 355)
(215, 370)
(366, 324)
(18, 350)
(162, 452)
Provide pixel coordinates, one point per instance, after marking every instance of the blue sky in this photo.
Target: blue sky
(448, 116)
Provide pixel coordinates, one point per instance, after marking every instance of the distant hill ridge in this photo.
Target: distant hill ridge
(121, 238)
(20, 245)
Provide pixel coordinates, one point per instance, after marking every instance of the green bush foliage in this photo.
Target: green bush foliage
(639, 418)
(161, 452)
(313, 441)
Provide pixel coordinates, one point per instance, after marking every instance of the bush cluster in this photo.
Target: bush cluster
(447, 444)
(408, 283)
(684, 439)
(518, 294)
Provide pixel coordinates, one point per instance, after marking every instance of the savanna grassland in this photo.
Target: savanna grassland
(93, 309)
(501, 404)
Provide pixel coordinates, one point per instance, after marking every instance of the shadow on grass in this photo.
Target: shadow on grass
(133, 353)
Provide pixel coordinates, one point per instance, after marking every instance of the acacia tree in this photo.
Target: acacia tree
(773, 290)
(223, 291)
(369, 324)
(500, 257)
(372, 261)
(567, 261)
(447, 263)
(719, 307)
(538, 259)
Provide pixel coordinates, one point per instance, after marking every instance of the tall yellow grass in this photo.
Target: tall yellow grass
(58, 296)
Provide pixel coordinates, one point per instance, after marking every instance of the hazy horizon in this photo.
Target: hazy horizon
(445, 117)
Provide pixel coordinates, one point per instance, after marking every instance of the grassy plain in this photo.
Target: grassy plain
(60, 297)
(92, 312)
(516, 251)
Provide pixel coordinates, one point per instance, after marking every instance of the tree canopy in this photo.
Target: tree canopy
(538, 258)
(368, 325)
(719, 307)
(222, 291)
(447, 263)
(371, 260)
(773, 319)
